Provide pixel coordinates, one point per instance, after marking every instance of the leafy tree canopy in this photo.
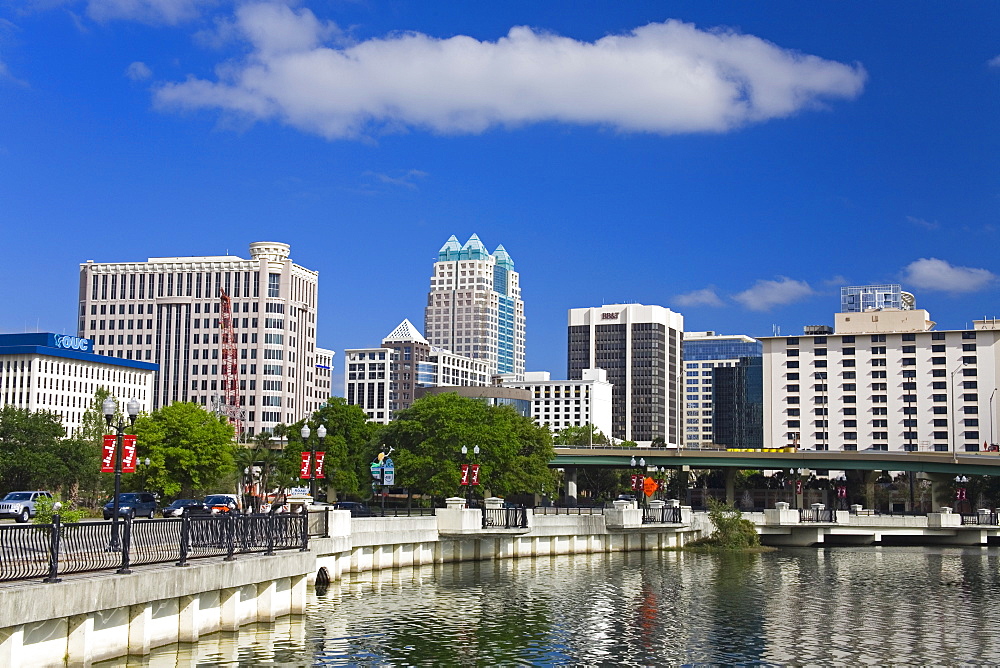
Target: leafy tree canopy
(583, 435)
(427, 439)
(190, 450)
(29, 443)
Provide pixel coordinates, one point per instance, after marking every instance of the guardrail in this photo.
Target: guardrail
(505, 518)
(817, 515)
(50, 550)
(665, 515)
(989, 519)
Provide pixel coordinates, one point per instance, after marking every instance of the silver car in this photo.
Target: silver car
(21, 505)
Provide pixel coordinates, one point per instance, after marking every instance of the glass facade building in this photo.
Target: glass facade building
(861, 298)
(738, 404)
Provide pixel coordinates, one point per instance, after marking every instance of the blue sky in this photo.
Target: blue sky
(737, 162)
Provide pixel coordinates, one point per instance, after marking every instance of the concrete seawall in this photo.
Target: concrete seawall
(92, 617)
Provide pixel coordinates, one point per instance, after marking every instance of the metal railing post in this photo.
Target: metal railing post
(185, 546)
(305, 528)
(126, 546)
(270, 533)
(230, 529)
(54, 550)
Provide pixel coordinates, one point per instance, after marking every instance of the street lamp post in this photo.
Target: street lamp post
(321, 432)
(109, 407)
(842, 490)
(960, 494)
(640, 478)
(951, 418)
(468, 486)
(992, 441)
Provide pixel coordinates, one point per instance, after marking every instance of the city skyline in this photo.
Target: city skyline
(836, 147)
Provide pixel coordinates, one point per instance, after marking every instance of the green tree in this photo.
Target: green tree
(427, 440)
(582, 435)
(191, 451)
(350, 444)
(28, 448)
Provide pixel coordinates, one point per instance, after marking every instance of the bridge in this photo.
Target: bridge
(940, 465)
(949, 463)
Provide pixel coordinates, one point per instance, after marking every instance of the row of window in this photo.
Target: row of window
(876, 338)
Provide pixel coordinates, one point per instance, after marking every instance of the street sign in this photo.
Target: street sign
(320, 458)
(304, 468)
(376, 469)
(108, 455)
(649, 487)
(388, 472)
(465, 474)
(128, 453)
(474, 475)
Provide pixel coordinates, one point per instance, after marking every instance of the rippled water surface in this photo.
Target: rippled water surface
(795, 606)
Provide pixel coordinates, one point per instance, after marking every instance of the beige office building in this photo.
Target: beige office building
(166, 310)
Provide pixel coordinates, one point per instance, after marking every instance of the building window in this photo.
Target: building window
(274, 285)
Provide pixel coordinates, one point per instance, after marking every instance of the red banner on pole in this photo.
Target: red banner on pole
(108, 455)
(474, 477)
(304, 470)
(465, 474)
(128, 454)
(320, 458)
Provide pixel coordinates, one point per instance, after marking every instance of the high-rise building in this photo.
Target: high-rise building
(59, 374)
(860, 298)
(884, 380)
(384, 380)
(738, 404)
(704, 352)
(167, 310)
(474, 306)
(640, 348)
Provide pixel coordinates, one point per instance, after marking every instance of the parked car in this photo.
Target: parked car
(221, 504)
(177, 508)
(357, 509)
(21, 505)
(132, 504)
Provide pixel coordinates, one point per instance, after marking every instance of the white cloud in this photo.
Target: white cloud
(994, 61)
(402, 179)
(926, 224)
(765, 295)
(138, 71)
(934, 274)
(703, 297)
(663, 78)
(170, 12)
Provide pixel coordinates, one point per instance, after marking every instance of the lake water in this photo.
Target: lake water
(873, 605)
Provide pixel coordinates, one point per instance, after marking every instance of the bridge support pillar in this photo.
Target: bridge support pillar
(731, 485)
(570, 476)
(868, 481)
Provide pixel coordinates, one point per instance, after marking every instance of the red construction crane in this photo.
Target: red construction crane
(230, 403)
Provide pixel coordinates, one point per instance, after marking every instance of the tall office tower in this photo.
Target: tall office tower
(167, 310)
(883, 380)
(860, 298)
(703, 353)
(738, 404)
(384, 380)
(640, 347)
(474, 306)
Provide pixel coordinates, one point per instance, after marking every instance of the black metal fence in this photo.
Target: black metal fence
(988, 519)
(817, 515)
(664, 515)
(50, 550)
(505, 518)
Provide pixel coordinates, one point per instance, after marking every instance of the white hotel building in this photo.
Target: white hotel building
(558, 404)
(883, 380)
(59, 374)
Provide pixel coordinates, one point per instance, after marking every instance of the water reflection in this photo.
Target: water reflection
(796, 606)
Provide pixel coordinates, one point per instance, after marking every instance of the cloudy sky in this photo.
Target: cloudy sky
(737, 162)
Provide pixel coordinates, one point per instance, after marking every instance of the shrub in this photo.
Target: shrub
(732, 532)
(44, 512)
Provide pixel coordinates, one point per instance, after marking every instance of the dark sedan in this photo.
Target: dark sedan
(357, 509)
(177, 508)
